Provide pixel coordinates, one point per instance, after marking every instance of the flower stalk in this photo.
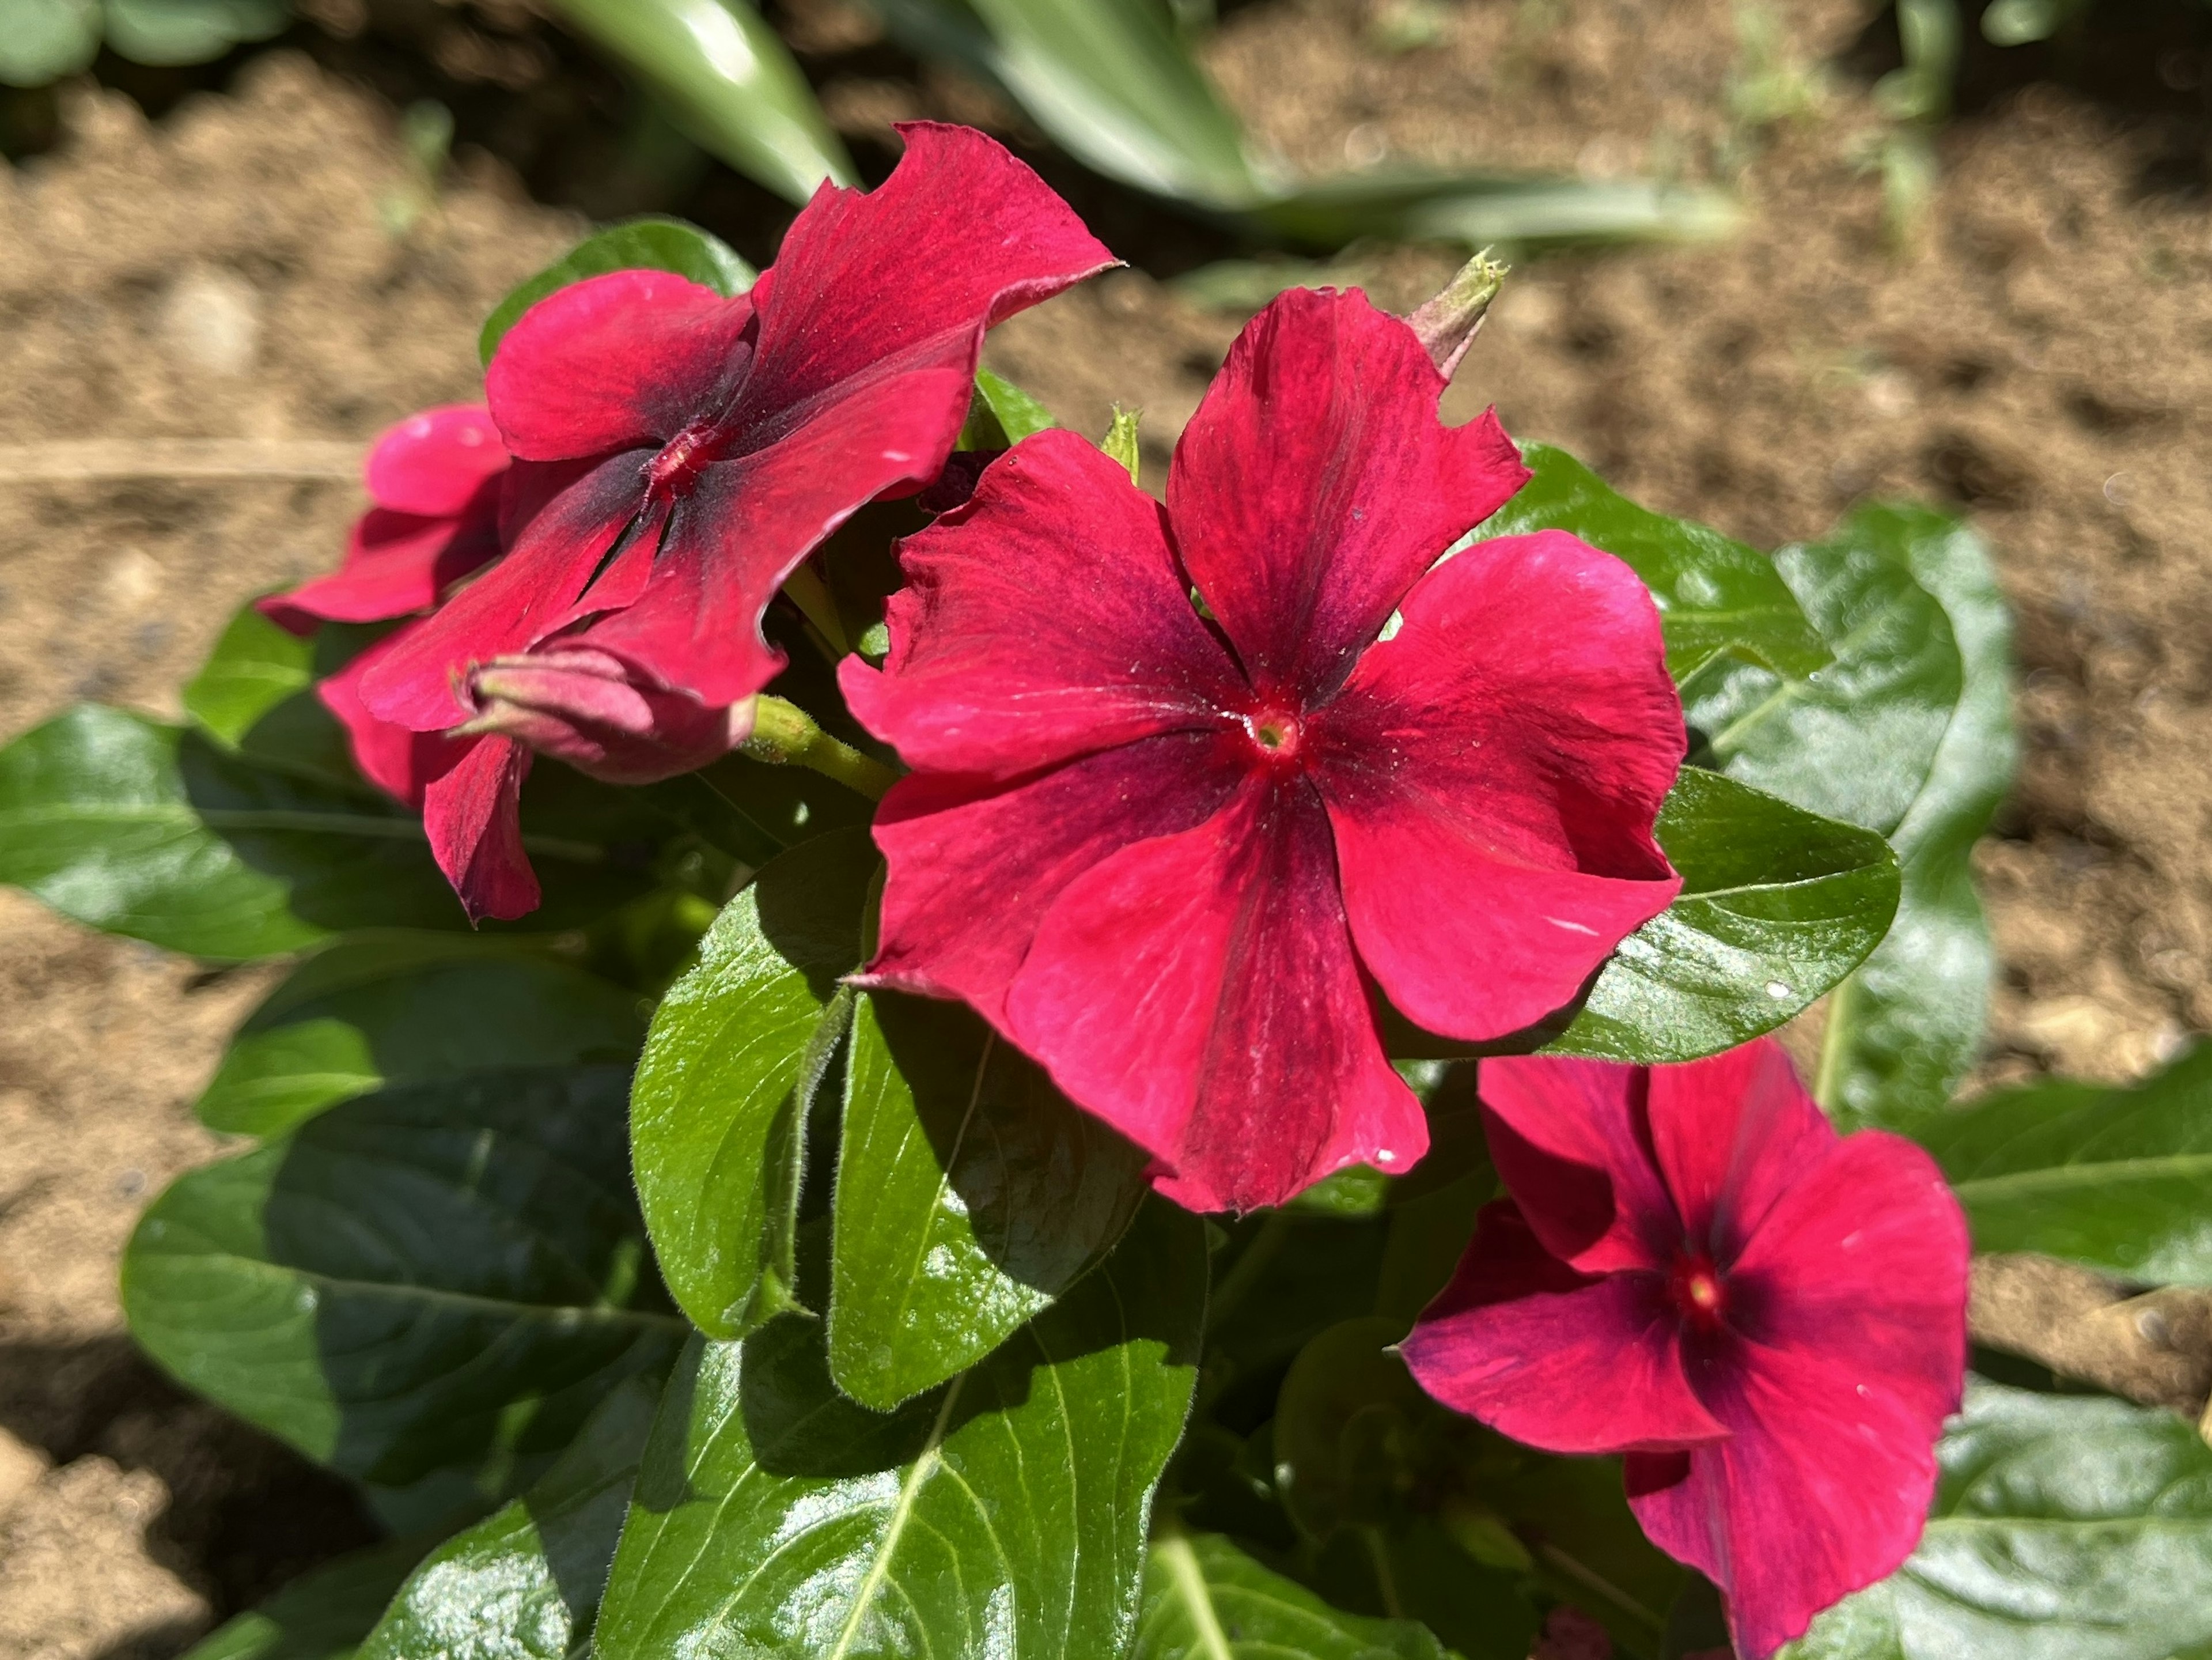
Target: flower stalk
(785, 735)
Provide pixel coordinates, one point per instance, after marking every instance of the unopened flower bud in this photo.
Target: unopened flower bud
(591, 709)
(1447, 325)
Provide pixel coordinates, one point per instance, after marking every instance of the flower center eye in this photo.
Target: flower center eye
(1698, 1291)
(682, 459)
(1274, 732)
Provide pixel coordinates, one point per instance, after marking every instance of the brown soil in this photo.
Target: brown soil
(240, 270)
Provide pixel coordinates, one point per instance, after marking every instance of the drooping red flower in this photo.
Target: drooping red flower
(1696, 1270)
(1165, 850)
(717, 443)
(434, 481)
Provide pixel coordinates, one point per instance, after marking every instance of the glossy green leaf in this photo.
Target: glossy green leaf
(175, 32)
(1000, 1517)
(46, 40)
(727, 80)
(1776, 906)
(255, 666)
(1000, 414)
(1854, 740)
(739, 1050)
(149, 831)
(648, 244)
(970, 1194)
(2117, 1179)
(525, 1583)
(1904, 1030)
(321, 1615)
(1713, 594)
(2064, 1528)
(380, 1008)
(442, 1277)
(1206, 1600)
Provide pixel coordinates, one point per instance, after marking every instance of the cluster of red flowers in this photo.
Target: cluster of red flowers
(1195, 790)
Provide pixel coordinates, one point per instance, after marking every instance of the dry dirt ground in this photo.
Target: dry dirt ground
(265, 266)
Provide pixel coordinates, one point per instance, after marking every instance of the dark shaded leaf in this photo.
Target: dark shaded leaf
(525, 1583)
(380, 1008)
(1003, 1516)
(1713, 594)
(321, 1615)
(740, 1049)
(446, 1277)
(970, 1194)
(1206, 1600)
(2117, 1179)
(2065, 1527)
(648, 244)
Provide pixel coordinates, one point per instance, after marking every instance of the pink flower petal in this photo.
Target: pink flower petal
(1199, 993)
(1045, 618)
(974, 867)
(1559, 1360)
(431, 464)
(1512, 742)
(524, 597)
(1569, 1138)
(401, 762)
(474, 817)
(1316, 483)
(1733, 1133)
(620, 361)
(395, 564)
(909, 275)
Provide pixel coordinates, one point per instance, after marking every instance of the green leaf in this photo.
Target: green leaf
(175, 32)
(254, 667)
(379, 1008)
(1854, 740)
(1713, 594)
(1776, 906)
(47, 39)
(648, 244)
(525, 1583)
(739, 1050)
(1478, 208)
(2064, 1528)
(1903, 1030)
(443, 1277)
(2117, 1179)
(1003, 1514)
(727, 81)
(1000, 414)
(1206, 1600)
(971, 1195)
(1343, 1427)
(321, 1615)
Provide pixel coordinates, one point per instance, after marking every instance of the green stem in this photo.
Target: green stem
(786, 735)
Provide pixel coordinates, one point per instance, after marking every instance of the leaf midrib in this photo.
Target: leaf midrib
(573, 1313)
(925, 1466)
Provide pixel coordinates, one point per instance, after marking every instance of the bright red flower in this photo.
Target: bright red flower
(1163, 850)
(1767, 1317)
(434, 483)
(718, 441)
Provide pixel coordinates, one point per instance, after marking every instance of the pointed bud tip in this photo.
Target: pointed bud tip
(1447, 325)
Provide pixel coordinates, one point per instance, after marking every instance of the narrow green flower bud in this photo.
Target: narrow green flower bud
(1447, 325)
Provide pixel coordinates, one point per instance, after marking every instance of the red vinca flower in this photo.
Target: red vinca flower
(434, 483)
(1767, 1317)
(1163, 848)
(716, 442)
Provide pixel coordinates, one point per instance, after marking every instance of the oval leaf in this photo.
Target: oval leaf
(1001, 1518)
(1713, 594)
(1776, 906)
(739, 1050)
(448, 1276)
(1206, 1600)
(2116, 1179)
(168, 33)
(375, 1009)
(970, 1194)
(648, 244)
(524, 1584)
(2064, 1528)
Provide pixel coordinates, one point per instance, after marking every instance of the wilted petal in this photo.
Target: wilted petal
(1045, 618)
(1316, 483)
(1565, 1361)
(1512, 742)
(473, 814)
(1199, 993)
(624, 360)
